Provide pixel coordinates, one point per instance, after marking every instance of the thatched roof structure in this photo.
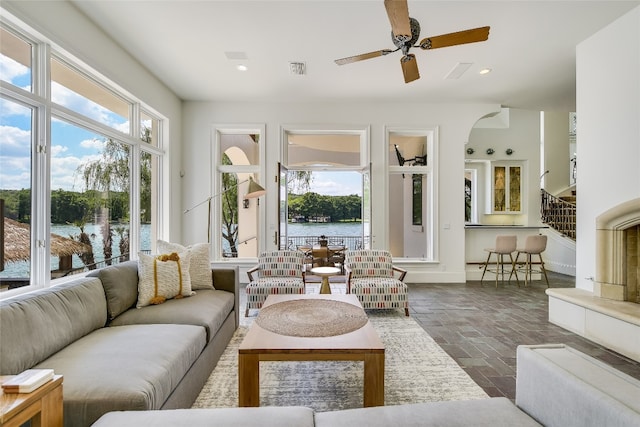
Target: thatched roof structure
(17, 238)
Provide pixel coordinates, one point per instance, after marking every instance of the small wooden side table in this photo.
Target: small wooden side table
(42, 406)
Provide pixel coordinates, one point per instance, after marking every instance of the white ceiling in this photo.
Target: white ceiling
(531, 48)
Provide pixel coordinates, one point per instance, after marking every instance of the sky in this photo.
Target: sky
(336, 183)
(73, 146)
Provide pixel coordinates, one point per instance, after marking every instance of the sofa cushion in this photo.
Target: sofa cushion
(494, 412)
(120, 283)
(132, 367)
(199, 266)
(561, 386)
(38, 324)
(207, 308)
(293, 416)
(163, 277)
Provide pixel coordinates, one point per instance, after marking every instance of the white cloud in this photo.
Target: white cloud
(63, 96)
(10, 69)
(15, 140)
(336, 183)
(93, 144)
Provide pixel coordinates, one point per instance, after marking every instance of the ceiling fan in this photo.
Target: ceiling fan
(405, 32)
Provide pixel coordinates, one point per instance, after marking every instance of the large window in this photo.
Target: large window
(412, 172)
(238, 152)
(327, 186)
(79, 166)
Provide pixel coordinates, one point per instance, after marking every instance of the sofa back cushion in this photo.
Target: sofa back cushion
(39, 324)
(120, 282)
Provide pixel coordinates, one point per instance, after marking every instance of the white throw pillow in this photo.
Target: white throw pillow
(200, 263)
(163, 277)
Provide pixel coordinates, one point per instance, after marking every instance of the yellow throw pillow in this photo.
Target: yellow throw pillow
(163, 277)
(199, 264)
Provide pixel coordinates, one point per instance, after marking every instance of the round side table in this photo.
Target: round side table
(325, 272)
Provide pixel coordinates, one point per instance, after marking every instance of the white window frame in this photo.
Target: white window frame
(44, 110)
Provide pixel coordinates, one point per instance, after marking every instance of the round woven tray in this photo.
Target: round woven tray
(311, 318)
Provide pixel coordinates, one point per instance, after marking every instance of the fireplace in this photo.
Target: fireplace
(617, 253)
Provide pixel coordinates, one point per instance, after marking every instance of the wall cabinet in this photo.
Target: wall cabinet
(506, 188)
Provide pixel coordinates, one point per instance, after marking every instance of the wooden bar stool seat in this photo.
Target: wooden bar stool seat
(533, 245)
(505, 245)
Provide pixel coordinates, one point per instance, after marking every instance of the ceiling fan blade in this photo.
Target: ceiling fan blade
(398, 13)
(409, 68)
(461, 37)
(362, 57)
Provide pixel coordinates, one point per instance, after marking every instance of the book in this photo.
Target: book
(28, 381)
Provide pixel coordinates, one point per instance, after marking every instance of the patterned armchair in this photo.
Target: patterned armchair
(278, 272)
(370, 276)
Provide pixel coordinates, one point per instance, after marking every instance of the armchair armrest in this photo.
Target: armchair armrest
(402, 272)
(228, 279)
(251, 271)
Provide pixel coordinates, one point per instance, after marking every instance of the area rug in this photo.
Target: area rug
(416, 370)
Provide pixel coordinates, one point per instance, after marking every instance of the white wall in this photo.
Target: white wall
(523, 136)
(73, 32)
(608, 132)
(555, 137)
(454, 124)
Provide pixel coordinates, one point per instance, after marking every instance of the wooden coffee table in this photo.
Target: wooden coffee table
(260, 345)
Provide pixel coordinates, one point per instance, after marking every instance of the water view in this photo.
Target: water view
(309, 230)
(21, 269)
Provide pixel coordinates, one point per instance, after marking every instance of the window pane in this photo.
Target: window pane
(148, 201)
(149, 128)
(407, 150)
(242, 149)
(239, 217)
(408, 197)
(15, 193)
(319, 150)
(15, 60)
(71, 89)
(89, 198)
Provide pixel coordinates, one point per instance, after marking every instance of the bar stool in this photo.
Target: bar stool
(505, 245)
(533, 245)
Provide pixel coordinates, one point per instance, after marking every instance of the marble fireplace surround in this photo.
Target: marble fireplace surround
(610, 315)
(616, 264)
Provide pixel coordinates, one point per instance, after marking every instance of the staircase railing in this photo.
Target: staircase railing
(558, 214)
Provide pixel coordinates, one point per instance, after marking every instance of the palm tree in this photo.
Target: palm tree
(108, 173)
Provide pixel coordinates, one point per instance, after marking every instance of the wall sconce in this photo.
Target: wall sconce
(509, 151)
(245, 203)
(490, 151)
(470, 151)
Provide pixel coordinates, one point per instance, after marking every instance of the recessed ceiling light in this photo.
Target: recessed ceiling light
(485, 71)
(242, 67)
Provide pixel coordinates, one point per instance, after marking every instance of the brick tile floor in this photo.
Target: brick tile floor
(480, 326)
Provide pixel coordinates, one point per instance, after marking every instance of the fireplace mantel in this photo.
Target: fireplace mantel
(616, 273)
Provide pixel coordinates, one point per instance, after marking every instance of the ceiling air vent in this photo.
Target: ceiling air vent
(297, 68)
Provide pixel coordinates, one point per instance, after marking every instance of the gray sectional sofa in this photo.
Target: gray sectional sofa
(112, 355)
(556, 386)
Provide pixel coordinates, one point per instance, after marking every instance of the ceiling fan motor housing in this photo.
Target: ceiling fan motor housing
(415, 34)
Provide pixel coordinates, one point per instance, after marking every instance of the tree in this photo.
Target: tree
(86, 257)
(299, 181)
(110, 172)
(229, 208)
